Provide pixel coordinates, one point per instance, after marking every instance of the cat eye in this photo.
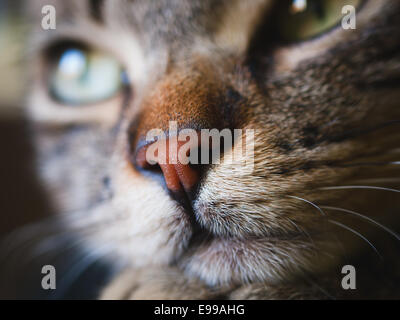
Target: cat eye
(304, 19)
(80, 76)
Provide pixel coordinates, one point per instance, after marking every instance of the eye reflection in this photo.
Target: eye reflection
(72, 63)
(299, 20)
(298, 6)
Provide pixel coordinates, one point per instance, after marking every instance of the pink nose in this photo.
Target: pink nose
(178, 176)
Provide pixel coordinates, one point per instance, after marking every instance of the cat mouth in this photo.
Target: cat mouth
(219, 254)
(202, 235)
(228, 259)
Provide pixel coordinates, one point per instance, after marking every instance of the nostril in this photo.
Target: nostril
(140, 158)
(178, 176)
(167, 157)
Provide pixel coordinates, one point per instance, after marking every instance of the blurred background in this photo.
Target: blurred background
(21, 200)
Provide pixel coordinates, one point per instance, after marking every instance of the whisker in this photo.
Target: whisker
(356, 233)
(26, 233)
(65, 244)
(309, 202)
(394, 234)
(309, 278)
(360, 187)
(46, 247)
(44, 229)
(46, 243)
(51, 243)
(77, 269)
(301, 230)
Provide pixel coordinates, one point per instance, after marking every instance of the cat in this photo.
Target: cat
(322, 101)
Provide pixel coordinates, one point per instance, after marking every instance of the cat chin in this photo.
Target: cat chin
(141, 232)
(224, 261)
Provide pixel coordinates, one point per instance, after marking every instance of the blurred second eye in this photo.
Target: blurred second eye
(79, 76)
(300, 20)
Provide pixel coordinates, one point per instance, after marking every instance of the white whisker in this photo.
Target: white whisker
(360, 187)
(309, 202)
(394, 234)
(356, 233)
(78, 268)
(301, 230)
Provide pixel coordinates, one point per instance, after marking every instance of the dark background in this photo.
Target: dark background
(22, 199)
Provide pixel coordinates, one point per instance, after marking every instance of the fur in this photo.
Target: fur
(325, 112)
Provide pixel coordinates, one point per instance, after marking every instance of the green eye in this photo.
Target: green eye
(79, 76)
(304, 19)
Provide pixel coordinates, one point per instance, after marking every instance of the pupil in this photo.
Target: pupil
(318, 8)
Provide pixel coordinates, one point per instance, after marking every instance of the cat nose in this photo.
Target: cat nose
(186, 101)
(174, 159)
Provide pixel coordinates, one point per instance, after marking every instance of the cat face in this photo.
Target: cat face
(321, 101)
